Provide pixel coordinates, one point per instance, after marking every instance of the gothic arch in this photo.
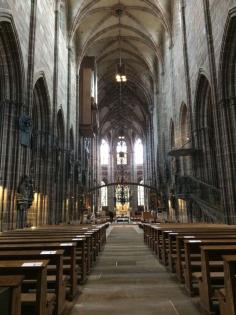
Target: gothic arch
(184, 124)
(41, 104)
(39, 154)
(12, 76)
(227, 84)
(60, 129)
(60, 168)
(12, 81)
(227, 70)
(205, 132)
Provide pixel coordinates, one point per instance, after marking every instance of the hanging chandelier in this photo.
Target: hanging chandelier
(121, 195)
(120, 71)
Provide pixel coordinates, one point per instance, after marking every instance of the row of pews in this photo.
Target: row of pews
(41, 269)
(203, 257)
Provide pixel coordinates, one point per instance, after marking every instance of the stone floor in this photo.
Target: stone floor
(128, 279)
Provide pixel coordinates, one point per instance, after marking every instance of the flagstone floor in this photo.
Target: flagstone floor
(128, 280)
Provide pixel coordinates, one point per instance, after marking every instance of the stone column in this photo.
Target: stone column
(217, 115)
(31, 53)
(66, 187)
(27, 109)
(152, 156)
(186, 67)
(68, 98)
(52, 136)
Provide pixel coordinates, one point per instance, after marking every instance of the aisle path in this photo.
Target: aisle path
(128, 280)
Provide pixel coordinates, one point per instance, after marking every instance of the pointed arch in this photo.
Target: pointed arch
(12, 76)
(184, 124)
(104, 152)
(227, 109)
(205, 132)
(12, 84)
(138, 151)
(227, 69)
(38, 215)
(60, 129)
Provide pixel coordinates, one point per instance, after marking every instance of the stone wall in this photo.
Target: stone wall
(192, 52)
(39, 57)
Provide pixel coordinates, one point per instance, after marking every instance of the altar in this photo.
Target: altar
(122, 210)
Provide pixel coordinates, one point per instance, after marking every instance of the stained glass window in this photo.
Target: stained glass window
(138, 152)
(104, 152)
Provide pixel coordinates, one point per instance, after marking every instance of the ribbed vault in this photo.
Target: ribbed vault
(133, 29)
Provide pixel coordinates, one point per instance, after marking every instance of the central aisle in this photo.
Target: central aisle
(128, 279)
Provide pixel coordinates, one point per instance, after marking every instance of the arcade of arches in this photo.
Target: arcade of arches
(67, 126)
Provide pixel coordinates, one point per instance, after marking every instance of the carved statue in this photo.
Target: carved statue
(25, 194)
(25, 126)
(25, 197)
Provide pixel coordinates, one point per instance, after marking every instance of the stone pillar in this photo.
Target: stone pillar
(26, 110)
(217, 115)
(31, 53)
(68, 98)
(152, 155)
(186, 67)
(52, 136)
(96, 154)
(77, 162)
(66, 187)
(10, 163)
(111, 175)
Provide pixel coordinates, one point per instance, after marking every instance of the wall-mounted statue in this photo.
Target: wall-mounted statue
(25, 126)
(25, 197)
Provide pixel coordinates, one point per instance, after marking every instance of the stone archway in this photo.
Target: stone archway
(38, 214)
(11, 100)
(227, 107)
(205, 133)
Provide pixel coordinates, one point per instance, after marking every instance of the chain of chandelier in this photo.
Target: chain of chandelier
(120, 73)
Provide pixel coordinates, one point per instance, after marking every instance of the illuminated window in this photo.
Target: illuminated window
(121, 150)
(141, 195)
(138, 152)
(104, 152)
(103, 195)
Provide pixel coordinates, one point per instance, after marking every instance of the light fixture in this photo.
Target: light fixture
(120, 74)
(121, 194)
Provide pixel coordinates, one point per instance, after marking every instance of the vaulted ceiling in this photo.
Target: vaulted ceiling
(132, 29)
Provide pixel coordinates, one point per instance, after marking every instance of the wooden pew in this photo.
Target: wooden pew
(98, 233)
(60, 235)
(158, 235)
(37, 269)
(88, 250)
(89, 240)
(209, 278)
(55, 258)
(83, 247)
(227, 295)
(13, 284)
(176, 252)
(69, 250)
(192, 258)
